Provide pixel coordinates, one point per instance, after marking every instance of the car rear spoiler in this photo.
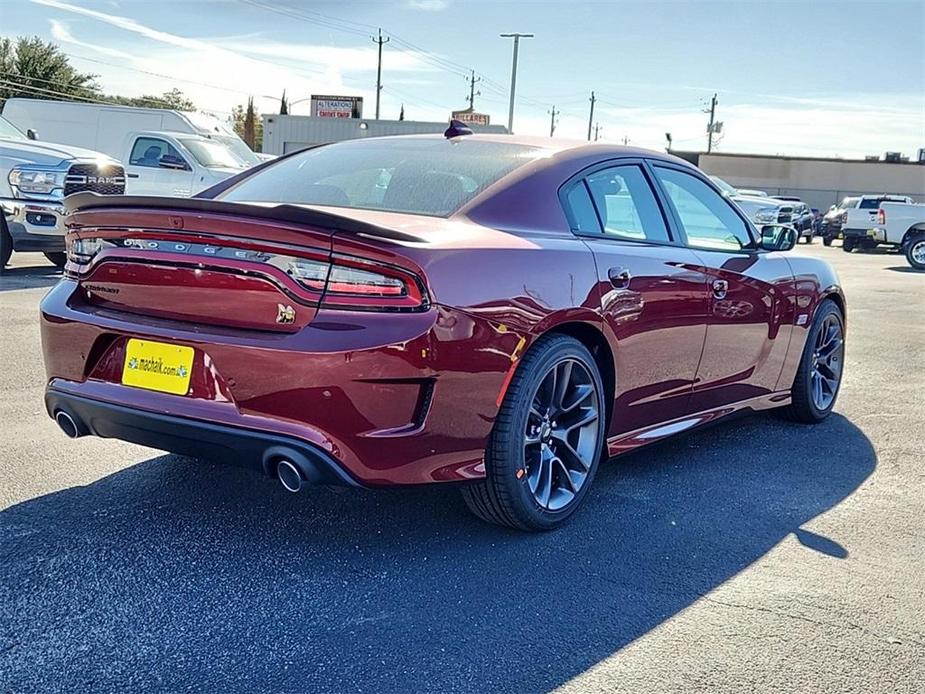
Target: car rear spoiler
(292, 214)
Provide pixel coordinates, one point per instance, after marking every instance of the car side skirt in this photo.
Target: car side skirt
(629, 441)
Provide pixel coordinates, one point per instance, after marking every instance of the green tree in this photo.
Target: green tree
(30, 67)
(283, 105)
(172, 99)
(248, 125)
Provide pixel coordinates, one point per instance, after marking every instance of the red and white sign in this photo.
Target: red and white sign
(470, 116)
(337, 106)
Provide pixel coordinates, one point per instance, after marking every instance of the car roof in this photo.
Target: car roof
(562, 148)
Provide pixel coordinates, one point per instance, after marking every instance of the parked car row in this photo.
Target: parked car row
(862, 221)
(104, 149)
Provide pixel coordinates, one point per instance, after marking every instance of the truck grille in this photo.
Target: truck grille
(105, 180)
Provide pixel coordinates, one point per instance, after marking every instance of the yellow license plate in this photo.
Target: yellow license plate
(157, 366)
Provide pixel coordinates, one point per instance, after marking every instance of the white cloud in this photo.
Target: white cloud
(345, 59)
(427, 5)
(61, 32)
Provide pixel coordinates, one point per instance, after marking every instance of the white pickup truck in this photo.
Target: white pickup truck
(858, 219)
(902, 224)
(34, 178)
(175, 164)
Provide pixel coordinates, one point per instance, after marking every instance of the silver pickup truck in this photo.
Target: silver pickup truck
(34, 178)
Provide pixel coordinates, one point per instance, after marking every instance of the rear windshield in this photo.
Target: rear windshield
(848, 203)
(869, 203)
(420, 176)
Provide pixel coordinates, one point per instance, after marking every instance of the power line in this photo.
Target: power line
(90, 98)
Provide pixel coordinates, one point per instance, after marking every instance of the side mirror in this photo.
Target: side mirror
(778, 237)
(32, 134)
(168, 161)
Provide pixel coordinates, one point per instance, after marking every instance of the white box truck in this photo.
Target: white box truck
(164, 152)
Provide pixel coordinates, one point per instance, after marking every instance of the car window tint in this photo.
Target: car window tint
(869, 204)
(707, 218)
(626, 204)
(430, 176)
(149, 150)
(583, 216)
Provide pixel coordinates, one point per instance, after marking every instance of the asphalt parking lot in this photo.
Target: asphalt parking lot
(754, 556)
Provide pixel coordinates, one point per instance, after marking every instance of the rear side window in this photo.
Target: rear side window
(430, 176)
(581, 209)
(869, 204)
(626, 204)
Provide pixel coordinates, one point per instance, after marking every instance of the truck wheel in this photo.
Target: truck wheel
(59, 258)
(6, 245)
(848, 244)
(915, 252)
(827, 240)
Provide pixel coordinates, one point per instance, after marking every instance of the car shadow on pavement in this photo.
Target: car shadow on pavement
(176, 574)
(29, 277)
(906, 268)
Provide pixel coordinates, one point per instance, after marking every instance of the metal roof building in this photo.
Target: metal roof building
(284, 134)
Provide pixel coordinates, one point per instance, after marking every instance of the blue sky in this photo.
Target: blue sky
(812, 78)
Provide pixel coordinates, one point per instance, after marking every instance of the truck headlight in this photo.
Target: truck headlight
(766, 215)
(36, 181)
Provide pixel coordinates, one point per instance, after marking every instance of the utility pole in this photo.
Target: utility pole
(553, 120)
(626, 140)
(597, 131)
(712, 112)
(472, 93)
(591, 115)
(380, 41)
(517, 37)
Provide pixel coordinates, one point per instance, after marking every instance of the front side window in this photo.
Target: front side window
(149, 150)
(708, 220)
(626, 204)
(213, 154)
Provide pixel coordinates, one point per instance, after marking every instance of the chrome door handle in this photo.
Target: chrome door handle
(720, 289)
(619, 277)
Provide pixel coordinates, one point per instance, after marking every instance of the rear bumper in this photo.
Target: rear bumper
(391, 399)
(257, 450)
(875, 234)
(34, 225)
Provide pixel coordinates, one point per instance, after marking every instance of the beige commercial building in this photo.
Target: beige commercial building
(818, 182)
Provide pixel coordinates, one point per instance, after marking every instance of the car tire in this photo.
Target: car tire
(528, 485)
(813, 393)
(915, 251)
(827, 240)
(58, 258)
(6, 245)
(848, 244)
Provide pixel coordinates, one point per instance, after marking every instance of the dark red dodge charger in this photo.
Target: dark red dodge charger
(496, 312)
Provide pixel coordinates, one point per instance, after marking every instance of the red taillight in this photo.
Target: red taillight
(330, 281)
(881, 216)
(356, 284)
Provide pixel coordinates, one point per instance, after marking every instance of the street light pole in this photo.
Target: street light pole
(516, 37)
